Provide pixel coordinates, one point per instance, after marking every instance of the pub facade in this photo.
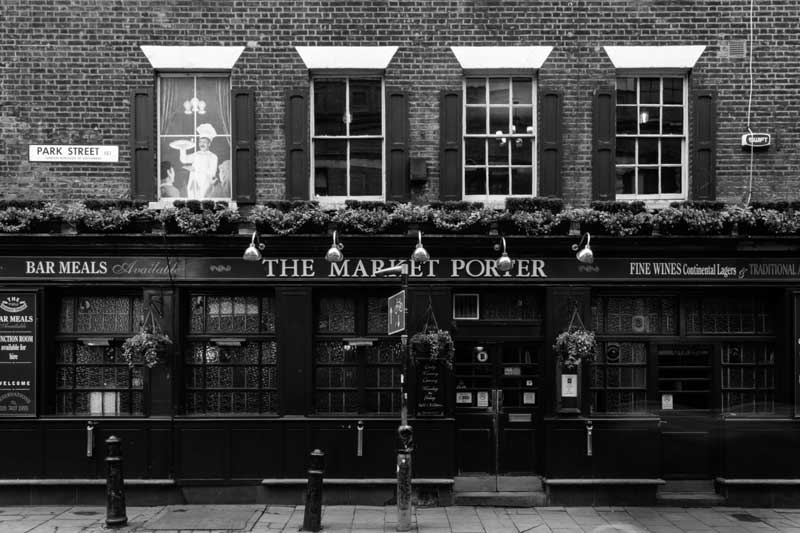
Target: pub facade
(277, 111)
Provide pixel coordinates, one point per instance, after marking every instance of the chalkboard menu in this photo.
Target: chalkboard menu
(430, 388)
(18, 325)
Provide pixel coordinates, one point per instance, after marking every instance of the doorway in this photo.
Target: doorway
(497, 409)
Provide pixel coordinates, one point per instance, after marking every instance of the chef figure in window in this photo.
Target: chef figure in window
(203, 163)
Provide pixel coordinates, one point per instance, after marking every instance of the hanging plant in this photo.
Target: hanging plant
(575, 344)
(148, 345)
(435, 344)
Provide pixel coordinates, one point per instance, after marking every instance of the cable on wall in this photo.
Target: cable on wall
(750, 104)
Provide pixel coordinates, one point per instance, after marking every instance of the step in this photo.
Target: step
(688, 485)
(497, 483)
(501, 499)
(689, 499)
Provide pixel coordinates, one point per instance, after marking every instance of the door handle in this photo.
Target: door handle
(89, 438)
(360, 438)
(589, 438)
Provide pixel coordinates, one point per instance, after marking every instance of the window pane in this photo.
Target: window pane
(626, 120)
(330, 168)
(670, 180)
(476, 120)
(329, 107)
(498, 91)
(336, 315)
(174, 94)
(474, 151)
(671, 151)
(498, 120)
(365, 107)
(521, 181)
(522, 89)
(498, 151)
(626, 178)
(648, 151)
(476, 91)
(215, 93)
(673, 120)
(626, 90)
(365, 167)
(475, 181)
(523, 120)
(521, 151)
(648, 181)
(649, 89)
(673, 90)
(626, 151)
(649, 120)
(498, 181)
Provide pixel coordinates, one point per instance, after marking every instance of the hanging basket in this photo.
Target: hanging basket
(149, 345)
(575, 344)
(433, 343)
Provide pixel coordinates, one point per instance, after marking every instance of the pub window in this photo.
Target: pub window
(231, 355)
(356, 364)
(194, 137)
(499, 139)
(92, 378)
(497, 305)
(748, 378)
(347, 137)
(619, 378)
(633, 315)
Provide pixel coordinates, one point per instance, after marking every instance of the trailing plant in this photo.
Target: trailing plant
(367, 219)
(97, 216)
(200, 218)
(553, 205)
(436, 344)
(575, 344)
(271, 219)
(148, 345)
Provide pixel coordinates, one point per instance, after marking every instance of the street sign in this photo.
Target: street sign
(397, 312)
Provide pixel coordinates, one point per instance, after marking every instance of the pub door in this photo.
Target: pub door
(496, 409)
(685, 397)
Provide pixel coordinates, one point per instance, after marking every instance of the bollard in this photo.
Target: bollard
(312, 518)
(115, 481)
(406, 446)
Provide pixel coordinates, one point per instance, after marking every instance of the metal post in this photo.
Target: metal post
(312, 518)
(115, 485)
(405, 433)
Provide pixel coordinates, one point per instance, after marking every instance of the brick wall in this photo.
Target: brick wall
(68, 67)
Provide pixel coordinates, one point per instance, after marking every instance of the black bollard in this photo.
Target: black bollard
(312, 518)
(115, 485)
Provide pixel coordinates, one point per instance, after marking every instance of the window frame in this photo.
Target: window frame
(347, 77)
(659, 199)
(499, 199)
(167, 201)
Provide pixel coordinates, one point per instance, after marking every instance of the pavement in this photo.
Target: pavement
(368, 519)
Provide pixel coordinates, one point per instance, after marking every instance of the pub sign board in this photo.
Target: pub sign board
(18, 347)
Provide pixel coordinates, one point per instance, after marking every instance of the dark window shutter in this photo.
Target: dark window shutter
(550, 143)
(396, 145)
(143, 150)
(703, 142)
(450, 146)
(244, 146)
(297, 145)
(603, 144)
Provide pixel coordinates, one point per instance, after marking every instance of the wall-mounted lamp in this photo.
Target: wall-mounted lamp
(334, 253)
(585, 254)
(253, 252)
(420, 254)
(503, 263)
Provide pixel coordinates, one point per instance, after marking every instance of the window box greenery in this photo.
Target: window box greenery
(196, 217)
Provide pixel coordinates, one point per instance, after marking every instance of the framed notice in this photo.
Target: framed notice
(569, 385)
(18, 336)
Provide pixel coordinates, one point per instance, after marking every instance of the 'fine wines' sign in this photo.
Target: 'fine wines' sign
(18, 333)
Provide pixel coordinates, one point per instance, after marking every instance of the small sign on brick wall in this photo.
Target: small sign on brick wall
(73, 153)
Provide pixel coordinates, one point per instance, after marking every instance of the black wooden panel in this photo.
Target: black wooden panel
(65, 453)
(620, 451)
(517, 450)
(379, 457)
(202, 453)
(339, 445)
(160, 453)
(142, 144)
(450, 133)
(434, 445)
(396, 145)
(294, 349)
(296, 455)
(256, 453)
(475, 450)
(297, 147)
(566, 452)
(134, 449)
(21, 453)
(550, 143)
(704, 144)
(244, 145)
(686, 455)
(604, 144)
(762, 451)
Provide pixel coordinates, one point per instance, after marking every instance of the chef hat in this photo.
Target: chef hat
(207, 131)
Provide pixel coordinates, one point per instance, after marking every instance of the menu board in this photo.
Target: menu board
(430, 388)
(18, 334)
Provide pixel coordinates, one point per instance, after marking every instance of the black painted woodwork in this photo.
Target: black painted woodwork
(142, 144)
(243, 144)
(297, 144)
(397, 137)
(704, 139)
(450, 140)
(604, 143)
(550, 147)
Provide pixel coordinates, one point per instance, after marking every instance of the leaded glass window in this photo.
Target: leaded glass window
(352, 373)
(748, 377)
(498, 305)
(92, 378)
(740, 315)
(619, 378)
(632, 315)
(231, 357)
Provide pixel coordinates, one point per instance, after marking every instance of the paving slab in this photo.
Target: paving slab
(205, 517)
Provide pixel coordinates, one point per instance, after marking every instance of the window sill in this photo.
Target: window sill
(163, 204)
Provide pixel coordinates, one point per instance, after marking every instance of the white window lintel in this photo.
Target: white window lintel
(192, 57)
(346, 57)
(501, 57)
(676, 58)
